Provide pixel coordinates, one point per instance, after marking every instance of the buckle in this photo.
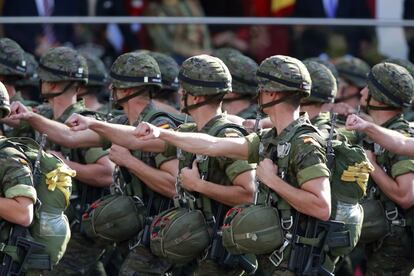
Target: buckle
(392, 214)
(286, 224)
(399, 222)
(2, 246)
(276, 257)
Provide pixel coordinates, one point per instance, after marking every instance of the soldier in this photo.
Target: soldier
(323, 91)
(98, 81)
(390, 245)
(352, 78)
(29, 86)
(62, 72)
(29, 173)
(167, 97)
(243, 97)
(304, 183)
(135, 77)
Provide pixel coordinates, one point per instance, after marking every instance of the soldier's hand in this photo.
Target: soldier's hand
(354, 122)
(77, 122)
(266, 171)
(19, 111)
(190, 177)
(146, 131)
(119, 155)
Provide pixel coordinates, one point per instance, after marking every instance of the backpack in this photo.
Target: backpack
(53, 185)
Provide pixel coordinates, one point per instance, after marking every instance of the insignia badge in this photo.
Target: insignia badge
(283, 149)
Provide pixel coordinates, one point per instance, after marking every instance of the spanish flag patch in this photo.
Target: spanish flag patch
(164, 126)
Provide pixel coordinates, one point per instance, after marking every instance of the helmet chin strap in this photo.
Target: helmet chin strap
(369, 107)
(275, 102)
(48, 96)
(210, 99)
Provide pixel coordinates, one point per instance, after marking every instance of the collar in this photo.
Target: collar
(74, 108)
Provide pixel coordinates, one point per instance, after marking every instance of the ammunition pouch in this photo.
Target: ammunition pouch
(252, 229)
(179, 235)
(375, 226)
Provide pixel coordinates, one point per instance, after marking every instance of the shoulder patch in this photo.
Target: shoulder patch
(164, 126)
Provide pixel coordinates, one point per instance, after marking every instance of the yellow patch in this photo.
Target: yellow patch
(22, 161)
(231, 135)
(164, 126)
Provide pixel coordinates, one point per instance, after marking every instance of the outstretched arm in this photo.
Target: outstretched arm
(122, 135)
(198, 143)
(388, 139)
(56, 132)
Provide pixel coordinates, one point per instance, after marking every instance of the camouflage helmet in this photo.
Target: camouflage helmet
(353, 70)
(31, 77)
(12, 61)
(404, 63)
(63, 64)
(391, 84)
(328, 64)
(169, 71)
(98, 75)
(4, 101)
(135, 69)
(204, 75)
(243, 72)
(284, 74)
(324, 86)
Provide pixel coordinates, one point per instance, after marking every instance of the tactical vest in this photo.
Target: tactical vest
(53, 186)
(380, 212)
(183, 233)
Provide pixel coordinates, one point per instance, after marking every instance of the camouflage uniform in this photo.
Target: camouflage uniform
(132, 70)
(392, 255)
(243, 75)
(59, 65)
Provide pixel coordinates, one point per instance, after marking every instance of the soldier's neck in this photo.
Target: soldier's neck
(235, 107)
(382, 116)
(92, 103)
(282, 117)
(312, 110)
(203, 114)
(60, 103)
(134, 109)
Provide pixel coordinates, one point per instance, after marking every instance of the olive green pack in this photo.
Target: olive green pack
(50, 225)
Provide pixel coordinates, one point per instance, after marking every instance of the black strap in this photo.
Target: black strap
(16, 66)
(146, 79)
(130, 96)
(98, 78)
(302, 86)
(386, 92)
(80, 74)
(207, 84)
(321, 96)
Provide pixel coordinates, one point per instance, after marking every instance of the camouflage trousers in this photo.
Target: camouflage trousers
(140, 261)
(395, 256)
(81, 258)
